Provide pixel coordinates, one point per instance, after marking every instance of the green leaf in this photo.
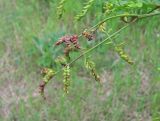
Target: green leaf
(135, 5)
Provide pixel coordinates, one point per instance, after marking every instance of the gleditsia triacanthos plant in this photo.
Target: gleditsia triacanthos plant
(125, 12)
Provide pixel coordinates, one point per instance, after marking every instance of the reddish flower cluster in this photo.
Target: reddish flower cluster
(69, 40)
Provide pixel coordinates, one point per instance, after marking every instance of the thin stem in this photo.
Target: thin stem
(124, 15)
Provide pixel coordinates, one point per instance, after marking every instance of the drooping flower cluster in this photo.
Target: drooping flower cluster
(47, 75)
(66, 81)
(123, 55)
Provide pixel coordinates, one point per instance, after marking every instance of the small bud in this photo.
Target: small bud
(88, 35)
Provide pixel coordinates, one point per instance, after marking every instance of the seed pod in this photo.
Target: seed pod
(123, 55)
(66, 81)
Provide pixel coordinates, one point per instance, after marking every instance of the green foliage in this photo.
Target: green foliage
(130, 6)
(128, 92)
(45, 47)
(125, 7)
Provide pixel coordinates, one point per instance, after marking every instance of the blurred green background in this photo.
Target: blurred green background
(28, 30)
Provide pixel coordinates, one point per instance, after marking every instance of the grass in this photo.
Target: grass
(129, 93)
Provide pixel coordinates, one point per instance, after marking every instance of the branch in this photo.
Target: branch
(137, 17)
(117, 16)
(124, 15)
